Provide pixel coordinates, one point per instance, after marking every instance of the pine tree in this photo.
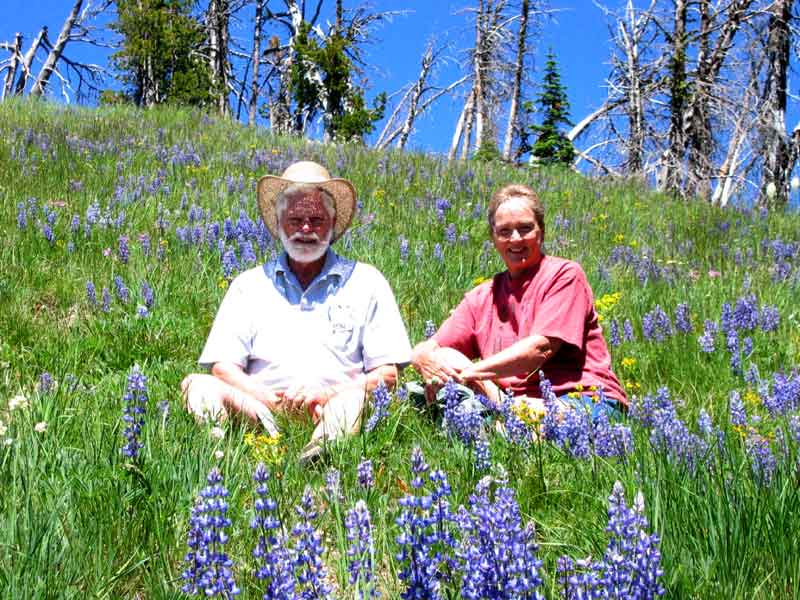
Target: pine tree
(345, 114)
(551, 145)
(158, 60)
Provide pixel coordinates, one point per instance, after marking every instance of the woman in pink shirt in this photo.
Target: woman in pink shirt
(537, 315)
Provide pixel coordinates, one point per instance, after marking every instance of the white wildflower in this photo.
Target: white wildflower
(219, 455)
(40, 427)
(18, 402)
(217, 433)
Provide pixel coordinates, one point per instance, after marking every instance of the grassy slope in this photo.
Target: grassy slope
(75, 520)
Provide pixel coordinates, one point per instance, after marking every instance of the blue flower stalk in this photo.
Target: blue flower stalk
(419, 534)
(275, 568)
(360, 550)
(208, 568)
(366, 478)
(134, 405)
(497, 552)
(311, 572)
(381, 398)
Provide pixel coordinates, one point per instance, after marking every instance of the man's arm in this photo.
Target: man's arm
(524, 356)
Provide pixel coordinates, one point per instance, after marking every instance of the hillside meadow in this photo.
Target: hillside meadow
(122, 230)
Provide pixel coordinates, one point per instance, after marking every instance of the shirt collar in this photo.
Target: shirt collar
(334, 266)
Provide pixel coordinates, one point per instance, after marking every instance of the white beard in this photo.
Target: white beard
(304, 252)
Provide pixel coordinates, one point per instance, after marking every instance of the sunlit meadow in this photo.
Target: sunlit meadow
(122, 230)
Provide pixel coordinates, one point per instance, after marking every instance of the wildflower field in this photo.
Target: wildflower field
(122, 230)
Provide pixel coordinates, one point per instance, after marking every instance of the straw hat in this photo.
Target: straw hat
(341, 190)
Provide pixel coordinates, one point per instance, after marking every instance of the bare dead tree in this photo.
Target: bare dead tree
(256, 62)
(27, 62)
(57, 50)
(416, 99)
(217, 20)
(519, 69)
(772, 118)
(10, 65)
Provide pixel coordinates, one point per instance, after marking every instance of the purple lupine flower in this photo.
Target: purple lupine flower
(460, 420)
(706, 341)
(22, 216)
(366, 479)
(746, 313)
(726, 322)
(438, 252)
(705, 424)
(747, 346)
(430, 329)
(419, 570)
(360, 550)
(450, 234)
(614, 333)
(648, 326)
(208, 568)
(482, 455)
(497, 553)
(106, 296)
(442, 206)
(611, 440)
(784, 396)
(246, 252)
(229, 263)
(575, 432)
(91, 294)
(683, 318)
(738, 416)
(333, 485)
(671, 437)
(274, 561)
(121, 289)
(769, 319)
(134, 406)
(403, 249)
(656, 325)
(732, 345)
(147, 294)
(142, 312)
(122, 249)
(48, 234)
(75, 224)
(762, 460)
(517, 431)
(631, 566)
(381, 398)
(312, 574)
(45, 383)
(642, 410)
(627, 330)
(144, 241)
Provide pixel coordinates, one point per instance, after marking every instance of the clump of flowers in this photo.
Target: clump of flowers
(275, 567)
(360, 550)
(208, 568)
(310, 570)
(497, 553)
(265, 448)
(381, 398)
(631, 565)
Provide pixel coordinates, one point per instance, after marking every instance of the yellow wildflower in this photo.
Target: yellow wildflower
(266, 448)
(628, 362)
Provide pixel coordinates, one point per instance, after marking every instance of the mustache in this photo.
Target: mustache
(300, 237)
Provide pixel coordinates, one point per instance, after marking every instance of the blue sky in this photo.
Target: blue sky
(577, 33)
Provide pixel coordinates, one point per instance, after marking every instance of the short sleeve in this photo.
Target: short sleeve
(385, 339)
(565, 305)
(458, 331)
(230, 339)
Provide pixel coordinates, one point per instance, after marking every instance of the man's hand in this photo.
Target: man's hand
(299, 397)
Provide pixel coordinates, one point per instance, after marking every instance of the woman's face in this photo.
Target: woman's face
(517, 236)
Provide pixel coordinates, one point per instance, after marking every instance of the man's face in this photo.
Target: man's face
(306, 228)
(517, 236)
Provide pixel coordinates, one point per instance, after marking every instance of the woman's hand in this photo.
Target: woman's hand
(433, 365)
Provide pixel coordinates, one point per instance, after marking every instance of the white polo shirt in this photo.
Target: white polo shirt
(346, 322)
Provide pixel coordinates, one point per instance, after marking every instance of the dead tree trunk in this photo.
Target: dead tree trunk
(519, 67)
(673, 157)
(416, 94)
(56, 51)
(631, 32)
(16, 56)
(218, 17)
(27, 61)
(777, 167)
(254, 85)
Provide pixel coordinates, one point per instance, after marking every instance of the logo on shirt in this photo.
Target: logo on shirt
(342, 323)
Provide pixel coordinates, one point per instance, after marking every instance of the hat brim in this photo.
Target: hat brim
(342, 191)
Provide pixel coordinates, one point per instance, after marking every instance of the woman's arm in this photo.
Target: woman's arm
(521, 358)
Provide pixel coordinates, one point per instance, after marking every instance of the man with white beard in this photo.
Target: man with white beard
(310, 332)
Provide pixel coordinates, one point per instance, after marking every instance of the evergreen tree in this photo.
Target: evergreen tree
(322, 81)
(551, 145)
(158, 60)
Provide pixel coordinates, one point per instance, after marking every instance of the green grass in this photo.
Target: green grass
(77, 521)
